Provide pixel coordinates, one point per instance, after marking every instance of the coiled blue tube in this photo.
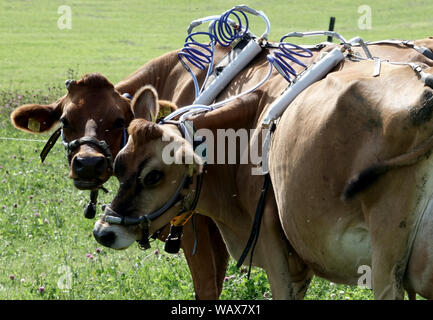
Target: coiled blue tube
(198, 58)
(223, 30)
(281, 59)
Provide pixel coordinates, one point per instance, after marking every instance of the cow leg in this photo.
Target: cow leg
(387, 281)
(208, 266)
(289, 277)
(392, 231)
(389, 258)
(292, 283)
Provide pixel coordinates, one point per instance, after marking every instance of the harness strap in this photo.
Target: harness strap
(194, 230)
(173, 241)
(255, 230)
(423, 50)
(50, 143)
(101, 145)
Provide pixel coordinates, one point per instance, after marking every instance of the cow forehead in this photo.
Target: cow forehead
(145, 143)
(96, 104)
(130, 158)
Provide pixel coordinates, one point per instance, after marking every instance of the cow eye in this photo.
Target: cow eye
(64, 122)
(119, 123)
(153, 177)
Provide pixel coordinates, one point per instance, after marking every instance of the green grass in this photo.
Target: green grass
(115, 38)
(42, 227)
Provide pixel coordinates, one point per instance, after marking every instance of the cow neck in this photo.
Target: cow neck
(168, 76)
(241, 114)
(156, 73)
(221, 179)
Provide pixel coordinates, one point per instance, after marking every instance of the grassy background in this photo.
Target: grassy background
(42, 229)
(116, 37)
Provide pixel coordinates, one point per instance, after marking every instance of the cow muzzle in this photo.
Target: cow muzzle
(89, 171)
(115, 236)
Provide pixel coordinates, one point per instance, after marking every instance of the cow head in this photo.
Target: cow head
(147, 180)
(92, 108)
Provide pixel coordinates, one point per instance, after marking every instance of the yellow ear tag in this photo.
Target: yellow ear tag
(164, 111)
(34, 125)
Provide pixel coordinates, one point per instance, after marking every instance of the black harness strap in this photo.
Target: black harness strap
(50, 143)
(194, 229)
(254, 236)
(173, 241)
(425, 51)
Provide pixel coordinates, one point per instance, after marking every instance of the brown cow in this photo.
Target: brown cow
(337, 128)
(208, 284)
(371, 129)
(94, 107)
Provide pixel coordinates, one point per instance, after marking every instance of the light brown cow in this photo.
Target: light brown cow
(371, 129)
(102, 99)
(344, 125)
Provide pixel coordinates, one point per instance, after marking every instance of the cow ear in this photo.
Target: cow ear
(145, 104)
(36, 118)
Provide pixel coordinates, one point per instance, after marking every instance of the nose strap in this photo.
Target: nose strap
(113, 217)
(50, 143)
(92, 141)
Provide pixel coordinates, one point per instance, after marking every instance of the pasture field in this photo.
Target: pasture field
(47, 250)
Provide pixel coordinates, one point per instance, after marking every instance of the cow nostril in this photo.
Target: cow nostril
(105, 238)
(78, 164)
(100, 165)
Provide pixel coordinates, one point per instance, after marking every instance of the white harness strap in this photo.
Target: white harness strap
(423, 50)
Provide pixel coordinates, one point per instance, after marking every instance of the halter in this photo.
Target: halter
(172, 244)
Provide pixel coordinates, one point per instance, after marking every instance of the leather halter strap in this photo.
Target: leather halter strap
(50, 143)
(73, 145)
(115, 218)
(102, 145)
(185, 213)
